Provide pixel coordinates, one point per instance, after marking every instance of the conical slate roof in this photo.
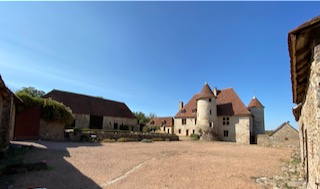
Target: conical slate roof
(206, 92)
(255, 103)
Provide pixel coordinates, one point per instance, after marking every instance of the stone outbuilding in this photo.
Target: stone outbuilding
(221, 114)
(165, 124)
(283, 136)
(9, 103)
(304, 51)
(96, 112)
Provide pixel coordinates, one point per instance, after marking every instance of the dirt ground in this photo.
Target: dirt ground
(176, 165)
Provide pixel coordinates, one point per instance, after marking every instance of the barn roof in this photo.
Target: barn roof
(301, 42)
(83, 104)
(281, 126)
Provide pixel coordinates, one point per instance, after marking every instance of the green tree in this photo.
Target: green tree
(31, 91)
(143, 119)
(51, 110)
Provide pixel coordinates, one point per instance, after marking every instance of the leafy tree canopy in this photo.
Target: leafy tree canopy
(31, 91)
(143, 118)
(51, 110)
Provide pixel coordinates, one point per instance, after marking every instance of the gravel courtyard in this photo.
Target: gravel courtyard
(182, 164)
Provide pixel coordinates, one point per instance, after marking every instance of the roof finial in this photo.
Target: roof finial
(254, 97)
(205, 83)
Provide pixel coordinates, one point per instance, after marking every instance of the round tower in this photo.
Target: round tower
(206, 109)
(257, 110)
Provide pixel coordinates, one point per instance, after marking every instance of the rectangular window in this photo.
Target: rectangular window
(209, 99)
(193, 131)
(210, 112)
(168, 130)
(225, 120)
(179, 131)
(164, 129)
(225, 133)
(184, 121)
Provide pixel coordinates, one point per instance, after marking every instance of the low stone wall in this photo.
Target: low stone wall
(51, 131)
(100, 135)
(272, 141)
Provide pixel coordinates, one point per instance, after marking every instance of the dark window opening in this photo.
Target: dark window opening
(96, 122)
(179, 131)
(115, 126)
(225, 133)
(210, 112)
(226, 121)
(184, 121)
(209, 99)
(193, 131)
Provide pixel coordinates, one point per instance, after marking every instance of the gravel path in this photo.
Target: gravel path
(182, 164)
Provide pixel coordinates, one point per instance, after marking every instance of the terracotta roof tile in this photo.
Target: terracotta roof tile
(161, 121)
(228, 103)
(83, 104)
(206, 92)
(255, 103)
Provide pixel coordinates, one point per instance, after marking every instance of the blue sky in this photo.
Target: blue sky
(151, 55)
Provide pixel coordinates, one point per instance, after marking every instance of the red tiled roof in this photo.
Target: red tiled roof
(83, 104)
(161, 121)
(255, 103)
(186, 111)
(228, 103)
(206, 92)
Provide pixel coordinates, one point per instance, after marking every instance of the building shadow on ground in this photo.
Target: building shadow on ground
(60, 173)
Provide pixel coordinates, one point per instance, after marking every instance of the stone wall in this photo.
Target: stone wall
(190, 126)
(51, 131)
(243, 130)
(82, 121)
(168, 130)
(108, 123)
(286, 136)
(257, 120)
(233, 120)
(309, 122)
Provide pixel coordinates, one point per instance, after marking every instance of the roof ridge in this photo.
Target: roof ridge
(85, 95)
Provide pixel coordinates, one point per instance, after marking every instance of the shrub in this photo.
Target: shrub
(146, 140)
(195, 136)
(127, 139)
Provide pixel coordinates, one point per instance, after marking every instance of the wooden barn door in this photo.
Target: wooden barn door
(27, 124)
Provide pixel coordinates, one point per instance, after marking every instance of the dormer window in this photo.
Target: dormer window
(194, 110)
(183, 111)
(152, 122)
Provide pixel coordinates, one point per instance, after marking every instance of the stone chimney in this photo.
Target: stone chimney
(215, 92)
(180, 105)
